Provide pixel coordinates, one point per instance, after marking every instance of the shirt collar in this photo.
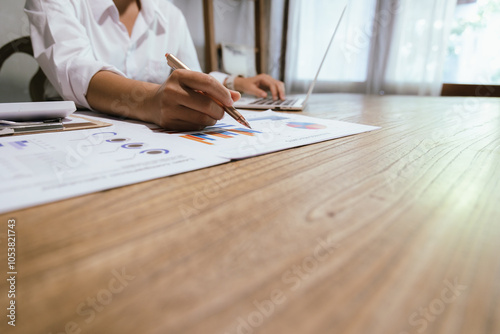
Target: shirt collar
(154, 15)
(152, 12)
(149, 9)
(99, 7)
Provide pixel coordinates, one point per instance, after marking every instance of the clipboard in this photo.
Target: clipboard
(70, 123)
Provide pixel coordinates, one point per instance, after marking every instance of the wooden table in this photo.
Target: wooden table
(392, 231)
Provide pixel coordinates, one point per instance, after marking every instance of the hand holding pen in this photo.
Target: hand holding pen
(177, 105)
(177, 64)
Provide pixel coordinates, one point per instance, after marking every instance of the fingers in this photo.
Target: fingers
(255, 90)
(205, 83)
(187, 119)
(273, 89)
(235, 95)
(186, 102)
(182, 118)
(276, 87)
(281, 90)
(186, 99)
(201, 103)
(267, 82)
(258, 84)
(178, 125)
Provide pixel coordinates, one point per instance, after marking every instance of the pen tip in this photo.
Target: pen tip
(245, 123)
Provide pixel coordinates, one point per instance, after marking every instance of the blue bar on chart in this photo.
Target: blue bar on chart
(214, 135)
(19, 144)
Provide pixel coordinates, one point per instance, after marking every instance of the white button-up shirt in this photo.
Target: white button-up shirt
(74, 39)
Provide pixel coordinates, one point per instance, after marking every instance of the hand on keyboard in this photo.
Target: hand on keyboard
(259, 84)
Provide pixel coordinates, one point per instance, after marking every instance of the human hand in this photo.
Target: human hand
(259, 85)
(182, 108)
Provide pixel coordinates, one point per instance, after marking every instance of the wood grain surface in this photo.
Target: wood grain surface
(392, 231)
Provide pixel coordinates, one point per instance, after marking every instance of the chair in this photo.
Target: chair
(23, 45)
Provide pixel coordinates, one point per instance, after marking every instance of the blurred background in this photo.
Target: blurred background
(382, 47)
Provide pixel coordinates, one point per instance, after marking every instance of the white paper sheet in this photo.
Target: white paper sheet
(42, 168)
(271, 131)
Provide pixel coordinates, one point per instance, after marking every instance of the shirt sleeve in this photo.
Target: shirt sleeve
(62, 48)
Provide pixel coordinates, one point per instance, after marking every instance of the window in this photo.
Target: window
(474, 50)
(311, 29)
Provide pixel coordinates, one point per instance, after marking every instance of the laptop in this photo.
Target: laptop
(292, 102)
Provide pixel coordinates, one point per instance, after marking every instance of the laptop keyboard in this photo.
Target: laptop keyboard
(271, 102)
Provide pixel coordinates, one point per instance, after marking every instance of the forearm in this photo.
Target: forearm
(114, 94)
(174, 105)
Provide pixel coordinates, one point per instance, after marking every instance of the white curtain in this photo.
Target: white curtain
(382, 46)
(274, 23)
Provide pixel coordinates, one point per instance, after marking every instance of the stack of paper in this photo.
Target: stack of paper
(37, 169)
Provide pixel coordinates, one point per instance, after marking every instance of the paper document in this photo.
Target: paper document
(42, 168)
(271, 131)
(38, 169)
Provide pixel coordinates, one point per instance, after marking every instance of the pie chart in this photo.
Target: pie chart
(308, 126)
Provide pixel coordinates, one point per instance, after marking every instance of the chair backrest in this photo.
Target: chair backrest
(23, 45)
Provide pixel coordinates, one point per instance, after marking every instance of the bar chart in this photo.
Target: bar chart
(212, 136)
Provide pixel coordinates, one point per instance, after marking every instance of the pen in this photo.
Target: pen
(175, 63)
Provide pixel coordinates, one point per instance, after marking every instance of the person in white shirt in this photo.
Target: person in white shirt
(108, 55)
